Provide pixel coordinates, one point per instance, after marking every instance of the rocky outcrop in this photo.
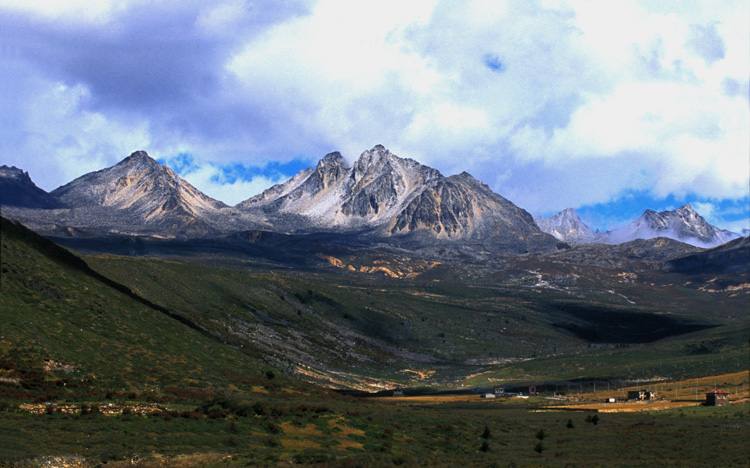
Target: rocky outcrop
(17, 190)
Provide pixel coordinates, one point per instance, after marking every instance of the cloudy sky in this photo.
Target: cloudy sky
(609, 107)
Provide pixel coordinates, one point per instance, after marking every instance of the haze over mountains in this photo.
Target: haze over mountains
(380, 196)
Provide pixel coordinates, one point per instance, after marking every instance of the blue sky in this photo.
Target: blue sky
(608, 107)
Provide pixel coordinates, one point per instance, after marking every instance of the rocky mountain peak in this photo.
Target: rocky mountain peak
(138, 191)
(683, 224)
(372, 160)
(566, 226)
(17, 189)
(12, 172)
(568, 213)
(139, 160)
(332, 160)
(687, 208)
(687, 213)
(396, 196)
(465, 177)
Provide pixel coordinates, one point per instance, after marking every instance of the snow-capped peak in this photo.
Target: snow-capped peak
(683, 224)
(566, 226)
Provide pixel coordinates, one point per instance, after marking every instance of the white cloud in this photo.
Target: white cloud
(208, 179)
(57, 140)
(732, 217)
(225, 183)
(76, 11)
(652, 96)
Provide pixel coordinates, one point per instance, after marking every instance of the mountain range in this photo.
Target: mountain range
(381, 198)
(683, 224)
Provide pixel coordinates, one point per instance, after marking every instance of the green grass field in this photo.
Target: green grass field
(348, 432)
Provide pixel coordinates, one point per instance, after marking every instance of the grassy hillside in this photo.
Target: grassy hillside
(364, 331)
(96, 336)
(715, 351)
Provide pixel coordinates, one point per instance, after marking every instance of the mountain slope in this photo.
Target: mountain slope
(566, 226)
(372, 191)
(731, 257)
(683, 224)
(135, 193)
(54, 307)
(17, 189)
(396, 197)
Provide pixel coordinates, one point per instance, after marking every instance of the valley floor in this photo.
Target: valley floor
(285, 427)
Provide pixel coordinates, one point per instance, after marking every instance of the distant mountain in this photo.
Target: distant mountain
(381, 197)
(396, 197)
(17, 189)
(138, 182)
(566, 226)
(371, 192)
(137, 195)
(683, 224)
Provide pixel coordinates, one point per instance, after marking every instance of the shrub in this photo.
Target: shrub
(539, 448)
(311, 457)
(540, 434)
(485, 447)
(269, 426)
(260, 409)
(193, 414)
(486, 433)
(570, 424)
(232, 427)
(216, 412)
(8, 406)
(272, 442)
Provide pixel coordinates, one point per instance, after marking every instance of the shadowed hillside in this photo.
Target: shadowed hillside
(56, 309)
